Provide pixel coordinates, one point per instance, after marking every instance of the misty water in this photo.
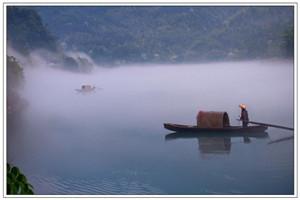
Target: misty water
(112, 141)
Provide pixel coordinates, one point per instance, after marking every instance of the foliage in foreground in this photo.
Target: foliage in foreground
(16, 182)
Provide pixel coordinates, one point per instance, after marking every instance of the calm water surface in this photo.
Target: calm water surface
(113, 141)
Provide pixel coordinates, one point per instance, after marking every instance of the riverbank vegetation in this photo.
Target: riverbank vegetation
(17, 182)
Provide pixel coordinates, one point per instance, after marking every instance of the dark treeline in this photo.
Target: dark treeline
(15, 79)
(26, 33)
(154, 34)
(172, 34)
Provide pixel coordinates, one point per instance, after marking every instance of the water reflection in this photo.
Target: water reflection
(214, 143)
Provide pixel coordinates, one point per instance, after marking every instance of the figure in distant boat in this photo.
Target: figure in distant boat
(244, 115)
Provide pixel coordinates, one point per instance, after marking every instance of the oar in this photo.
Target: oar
(271, 125)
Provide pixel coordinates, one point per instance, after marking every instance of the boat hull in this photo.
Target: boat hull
(195, 129)
(188, 135)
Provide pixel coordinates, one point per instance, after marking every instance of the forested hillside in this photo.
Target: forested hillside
(26, 33)
(172, 34)
(152, 34)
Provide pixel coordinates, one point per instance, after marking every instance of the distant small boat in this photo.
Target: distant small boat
(226, 129)
(86, 88)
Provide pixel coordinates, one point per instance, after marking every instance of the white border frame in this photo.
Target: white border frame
(155, 3)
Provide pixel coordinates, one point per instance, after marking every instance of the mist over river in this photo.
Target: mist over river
(112, 141)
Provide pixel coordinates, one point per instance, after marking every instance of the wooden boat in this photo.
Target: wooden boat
(226, 129)
(234, 134)
(86, 89)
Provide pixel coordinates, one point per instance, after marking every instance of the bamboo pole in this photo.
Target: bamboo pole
(270, 125)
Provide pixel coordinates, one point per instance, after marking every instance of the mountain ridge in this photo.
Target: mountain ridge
(171, 34)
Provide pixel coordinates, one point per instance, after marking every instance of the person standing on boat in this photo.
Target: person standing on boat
(244, 115)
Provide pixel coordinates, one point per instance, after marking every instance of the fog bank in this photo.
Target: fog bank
(162, 92)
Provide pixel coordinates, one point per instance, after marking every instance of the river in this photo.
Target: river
(112, 141)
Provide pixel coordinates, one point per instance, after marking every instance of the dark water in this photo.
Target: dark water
(113, 142)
